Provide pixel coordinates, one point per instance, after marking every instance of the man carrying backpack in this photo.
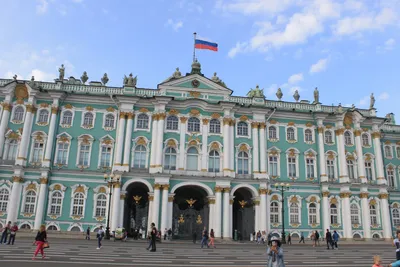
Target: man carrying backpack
(204, 238)
(328, 238)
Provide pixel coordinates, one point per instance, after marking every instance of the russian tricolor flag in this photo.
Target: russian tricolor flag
(201, 44)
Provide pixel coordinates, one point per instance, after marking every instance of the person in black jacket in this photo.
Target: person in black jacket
(153, 237)
(40, 240)
(328, 238)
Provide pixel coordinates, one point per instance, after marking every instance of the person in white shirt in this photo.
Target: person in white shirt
(100, 235)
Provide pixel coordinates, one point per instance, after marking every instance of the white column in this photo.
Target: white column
(211, 217)
(263, 150)
(226, 136)
(218, 211)
(153, 152)
(3, 125)
(360, 157)
(150, 215)
(120, 139)
(256, 168)
(26, 133)
(13, 205)
(321, 155)
(230, 217)
(164, 209)
(156, 205)
(128, 141)
(343, 175)
(366, 222)
(345, 198)
(257, 223)
(170, 211)
(386, 223)
(268, 210)
(204, 146)
(50, 137)
(122, 197)
(231, 154)
(226, 220)
(182, 144)
(263, 209)
(41, 203)
(378, 158)
(326, 223)
(160, 141)
(115, 206)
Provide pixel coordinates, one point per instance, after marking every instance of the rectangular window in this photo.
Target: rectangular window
(105, 160)
(62, 153)
(330, 166)
(170, 162)
(84, 155)
(292, 167)
(310, 168)
(368, 170)
(37, 152)
(350, 169)
(273, 166)
(390, 177)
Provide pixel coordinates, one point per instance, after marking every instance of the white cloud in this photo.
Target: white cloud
(250, 7)
(175, 25)
(77, 1)
(383, 96)
(42, 6)
(363, 102)
(293, 90)
(41, 75)
(239, 48)
(270, 91)
(389, 44)
(295, 78)
(319, 66)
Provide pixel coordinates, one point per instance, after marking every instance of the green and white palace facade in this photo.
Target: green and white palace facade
(189, 154)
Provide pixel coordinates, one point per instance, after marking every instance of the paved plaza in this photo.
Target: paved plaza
(84, 253)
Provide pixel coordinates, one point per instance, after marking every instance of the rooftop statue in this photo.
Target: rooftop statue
(257, 92)
(15, 77)
(177, 74)
(296, 96)
(340, 108)
(62, 72)
(105, 79)
(316, 96)
(215, 78)
(130, 81)
(279, 94)
(84, 77)
(372, 103)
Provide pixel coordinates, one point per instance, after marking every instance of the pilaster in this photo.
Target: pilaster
(26, 133)
(41, 200)
(15, 196)
(376, 136)
(366, 222)
(119, 144)
(5, 117)
(345, 199)
(263, 151)
(128, 141)
(153, 152)
(204, 146)
(256, 168)
(182, 143)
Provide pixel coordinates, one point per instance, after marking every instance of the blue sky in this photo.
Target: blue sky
(348, 49)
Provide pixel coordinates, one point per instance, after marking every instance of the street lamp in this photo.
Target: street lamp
(111, 180)
(282, 187)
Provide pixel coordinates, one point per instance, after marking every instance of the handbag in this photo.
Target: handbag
(46, 245)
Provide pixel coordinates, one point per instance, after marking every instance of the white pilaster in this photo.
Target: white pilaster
(360, 157)
(115, 206)
(13, 206)
(232, 155)
(170, 210)
(263, 209)
(231, 217)
(263, 151)
(120, 140)
(226, 220)
(164, 208)
(257, 219)
(204, 146)
(256, 168)
(150, 216)
(3, 124)
(128, 142)
(227, 146)
(156, 205)
(343, 175)
(41, 203)
(160, 142)
(218, 212)
(26, 133)
(378, 157)
(122, 209)
(387, 225)
(50, 138)
(325, 211)
(211, 219)
(321, 154)
(366, 222)
(345, 199)
(182, 142)
(268, 211)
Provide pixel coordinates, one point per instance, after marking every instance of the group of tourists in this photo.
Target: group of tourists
(8, 232)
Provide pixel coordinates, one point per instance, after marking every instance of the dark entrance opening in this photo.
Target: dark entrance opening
(190, 212)
(136, 208)
(243, 214)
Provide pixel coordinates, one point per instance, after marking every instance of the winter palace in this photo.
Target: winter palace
(189, 154)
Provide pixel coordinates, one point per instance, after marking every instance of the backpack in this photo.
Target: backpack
(317, 235)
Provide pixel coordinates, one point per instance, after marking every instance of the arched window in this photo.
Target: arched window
(30, 202)
(4, 195)
(62, 152)
(84, 152)
(396, 217)
(25, 226)
(273, 165)
(310, 164)
(139, 159)
(294, 213)
(172, 123)
(242, 129)
(388, 151)
(350, 169)
(312, 214)
(75, 229)
(272, 132)
(142, 121)
(215, 126)
(78, 204)
(193, 125)
(365, 139)
(328, 137)
(43, 116)
(390, 176)
(243, 163)
(213, 161)
(67, 118)
(192, 159)
(105, 157)
(52, 228)
(109, 121)
(274, 212)
(88, 119)
(101, 205)
(347, 138)
(12, 150)
(170, 159)
(290, 134)
(56, 203)
(373, 215)
(334, 214)
(308, 135)
(37, 152)
(19, 113)
(355, 214)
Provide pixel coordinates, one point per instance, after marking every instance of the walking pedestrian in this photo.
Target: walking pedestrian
(100, 236)
(212, 237)
(269, 239)
(87, 234)
(204, 238)
(40, 240)
(169, 234)
(317, 238)
(153, 238)
(328, 238)
(335, 238)
(194, 237)
(275, 254)
(165, 233)
(13, 232)
(6, 231)
(378, 262)
(289, 239)
(313, 240)
(258, 237)
(302, 238)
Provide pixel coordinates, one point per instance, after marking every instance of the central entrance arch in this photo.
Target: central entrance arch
(190, 212)
(136, 208)
(243, 213)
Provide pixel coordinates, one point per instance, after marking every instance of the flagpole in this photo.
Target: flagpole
(194, 47)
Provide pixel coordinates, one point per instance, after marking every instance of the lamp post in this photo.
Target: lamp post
(282, 187)
(111, 180)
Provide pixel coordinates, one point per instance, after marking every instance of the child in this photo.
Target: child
(377, 261)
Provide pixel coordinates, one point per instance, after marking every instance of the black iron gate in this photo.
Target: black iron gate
(243, 220)
(189, 221)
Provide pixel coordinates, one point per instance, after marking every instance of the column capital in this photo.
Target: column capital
(227, 121)
(231, 202)
(218, 189)
(155, 117)
(122, 115)
(117, 185)
(151, 198)
(256, 202)
(364, 195)
(17, 179)
(162, 116)
(183, 119)
(325, 194)
(262, 191)
(383, 196)
(205, 121)
(255, 125)
(345, 194)
(6, 106)
(157, 186)
(339, 131)
(211, 201)
(43, 180)
(122, 196)
(227, 189)
(170, 199)
(54, 110)
(165, 186)
(357, 132)
(131, 115)
(262, 125)
(29, 108)
(376, 135)
(321, 129)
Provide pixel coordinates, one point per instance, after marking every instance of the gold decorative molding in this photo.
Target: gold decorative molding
(143, 110)
(141, 141)
(162, 116)
(122, 115)
(44, 105)
(30, 187)
(339, 131)
(171, 199)
(43, 180)
(79, 189)
(243, 147)
(256, 202)
(99, 219)
(17, 179)
(254, 125)
(273, 122)
(313, 199)
(157, 186)
(231, 202)
(54, 110)
(348, 119)
(173, 112)
(57, 187)
(243, 118)
(331, 155)
(364, 195)
(89, 108)
(333, 201)
(77, 217)
(183, 119)
(155, 117)
(68, 106)
(294, 199)
(262, 191)
(194, 112)
(262, 125)
(110, 109)
(151, 198)
(227, 189)
(171, 143)
(383, 196)
(165, 186)
(131, 115)
(6, 106)
(309, 124)
(29, 108)
(357, 132)
(227, 121)
(345, 194)
(214, 146)
(274, 198)
(195, 94)
(137, 199)
(372, 202)
(26, 214)
(218, 189)
(376, 135)
(320, 130)
(215, 116)
(387, 142)
(211, 201)
(205, 121)
(21, 92)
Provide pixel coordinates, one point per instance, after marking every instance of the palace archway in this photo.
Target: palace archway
(190, 212)
(136, 208)
(243, 213)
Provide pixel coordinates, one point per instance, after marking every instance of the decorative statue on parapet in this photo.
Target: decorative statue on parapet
(105, 79)
(316, 96)
(84, 77)
(279, 94)
(62, 73)
(257, 92)
(177, 74)
(216, 79)
(130, 81)
(372, 103)
(296, 96)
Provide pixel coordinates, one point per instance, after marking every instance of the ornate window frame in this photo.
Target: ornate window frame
(274, 152)
(333, 137)
(386, 148)
(395, 207)
(52, 189)
(297, 200)
(106, 141)
(276, 126)
(198, 158)
(172, 130)
(72, 110)
(75, 189)
(351, 157)
(312, 129)
(6, 184)
(391, 167)
(397, 149)
(38, 116)
(188, 123)
(351, 136)
(40, 137)
(248, 129)
(171, 143)
(336, 201)
(89, 126)
(100, 190)
(84, 139)
(11, 135)
(277, 199)
(215, 146)
(377, 203)
(293, 153)
(315, 200)
(243, 147)
(13, 121)
(141, 141)
(332, 155)
(296, 137)
(368, 157)
(355, 201)
(150, 122)
(27, 187)
(310, 154)
(220, 127)
(369, 139)
(108, 129)
(63, 137)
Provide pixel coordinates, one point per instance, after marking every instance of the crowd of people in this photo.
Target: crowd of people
(9, 232)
